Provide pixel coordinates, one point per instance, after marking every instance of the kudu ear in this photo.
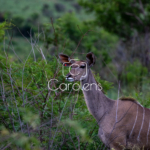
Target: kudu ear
(65, 60)
(90, 59)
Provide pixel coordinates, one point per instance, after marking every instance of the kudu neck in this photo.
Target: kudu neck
(90, 80)
(97, 103)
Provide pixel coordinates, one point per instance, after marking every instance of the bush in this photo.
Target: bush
(34, 116)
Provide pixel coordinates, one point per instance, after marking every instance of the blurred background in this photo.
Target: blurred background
(33, 33)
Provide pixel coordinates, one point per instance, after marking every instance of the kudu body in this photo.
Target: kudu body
(123, 123)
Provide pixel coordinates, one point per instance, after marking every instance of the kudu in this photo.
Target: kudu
(123, 123)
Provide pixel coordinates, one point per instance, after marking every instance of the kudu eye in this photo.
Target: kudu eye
(82, 66)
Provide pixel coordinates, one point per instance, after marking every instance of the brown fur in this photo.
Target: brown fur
(123, 123)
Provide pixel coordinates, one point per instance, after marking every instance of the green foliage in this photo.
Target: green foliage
(18, 140)
(29, 109)
(134, 73)
(105, 84)
(3, 26)
(122, 17)
(143, 98)
(78, 129)
(29, 116)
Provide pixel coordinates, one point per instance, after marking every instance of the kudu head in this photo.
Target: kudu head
(79, 69)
